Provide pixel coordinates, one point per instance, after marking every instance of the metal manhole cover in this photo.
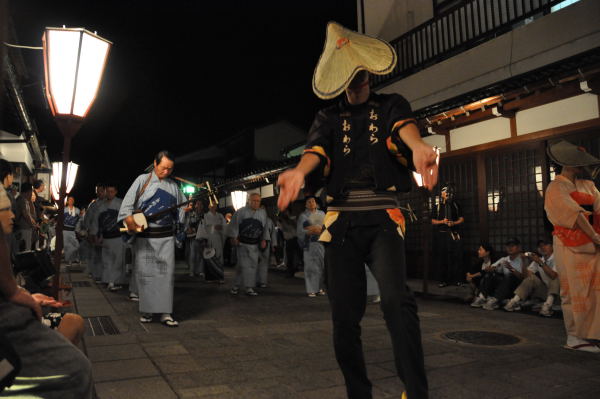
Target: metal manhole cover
(482, 338)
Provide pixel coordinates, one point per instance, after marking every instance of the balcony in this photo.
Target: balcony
(459, 29)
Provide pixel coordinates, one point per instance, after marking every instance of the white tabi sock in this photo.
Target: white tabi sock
(549, 300)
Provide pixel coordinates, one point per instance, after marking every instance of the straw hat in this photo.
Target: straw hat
(208, 253)
(345, 54)
(566, 154)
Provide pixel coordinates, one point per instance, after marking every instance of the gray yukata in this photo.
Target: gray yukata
(154, 258)
(71, 244)
(215, 236)
(95, 264)
(264, 257)
(113, 248)
(193, 245)
(314, 252)
(248, 226)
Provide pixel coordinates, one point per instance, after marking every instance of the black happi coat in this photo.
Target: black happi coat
(341, 131)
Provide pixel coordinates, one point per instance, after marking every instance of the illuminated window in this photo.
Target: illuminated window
(539, 183)
(493, 200)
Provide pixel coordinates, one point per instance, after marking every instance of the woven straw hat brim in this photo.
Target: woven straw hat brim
(345, 54)
(208, 253)
(567, 154)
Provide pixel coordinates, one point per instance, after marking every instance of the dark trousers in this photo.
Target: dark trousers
(382, 248)
(505, 287)
(292, 253)
(447, 255)
(488, 283)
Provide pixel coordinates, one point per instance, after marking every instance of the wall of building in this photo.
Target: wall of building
(572, 110)
(388, 19)
(568, 32)
(270, 139)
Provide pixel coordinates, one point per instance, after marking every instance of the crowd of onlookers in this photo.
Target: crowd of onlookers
(510, 281)
(37, 339)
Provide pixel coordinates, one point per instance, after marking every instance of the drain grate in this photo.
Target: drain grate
(81, 284)
(487, 338)
(100, 325)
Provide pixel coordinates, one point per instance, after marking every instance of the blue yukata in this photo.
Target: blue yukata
(154, 257)
(71, 245)
(106, 228)
(313, 250)
(248, 226)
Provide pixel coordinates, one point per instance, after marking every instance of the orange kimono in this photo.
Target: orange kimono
(577, 257)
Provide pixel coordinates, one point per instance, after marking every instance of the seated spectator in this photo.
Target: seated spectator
(51, 367)
(484, 262)
(505, 275)
(545, 287)
(70, 325)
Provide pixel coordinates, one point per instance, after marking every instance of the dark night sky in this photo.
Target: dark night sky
(181, 75)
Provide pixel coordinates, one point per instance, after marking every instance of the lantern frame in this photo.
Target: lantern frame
(55, 178)
(79, 72)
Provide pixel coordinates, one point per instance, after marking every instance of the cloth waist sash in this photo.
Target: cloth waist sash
(111, 234)
(364, 200)
(157, 232)
(575, 237)
(68, 228)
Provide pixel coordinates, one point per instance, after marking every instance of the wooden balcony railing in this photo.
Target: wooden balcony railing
(457, 30)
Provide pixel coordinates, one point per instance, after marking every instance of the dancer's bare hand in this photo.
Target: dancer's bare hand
(290, 182)
(425, 161)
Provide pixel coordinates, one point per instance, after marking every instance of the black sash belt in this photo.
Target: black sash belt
(157, 232)
(111, 234)
(68, 228)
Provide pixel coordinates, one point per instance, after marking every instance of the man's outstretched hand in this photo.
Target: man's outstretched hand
(290, 182)
(425, 159)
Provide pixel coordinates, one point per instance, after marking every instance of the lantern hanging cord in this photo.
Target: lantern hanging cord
(25, 47)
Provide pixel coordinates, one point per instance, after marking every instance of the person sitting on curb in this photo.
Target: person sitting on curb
(546, 286)
(509, 274)
(480, 281)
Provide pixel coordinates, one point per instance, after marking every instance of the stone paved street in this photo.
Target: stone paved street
(278, 345)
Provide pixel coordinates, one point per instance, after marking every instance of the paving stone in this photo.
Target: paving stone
(123, 370)
(446, 359)
(115, 352)
(205, 391)
(279, 345)
(147, 388)
(329, 393)
(166, 349)
(109, 340)
(176, 364)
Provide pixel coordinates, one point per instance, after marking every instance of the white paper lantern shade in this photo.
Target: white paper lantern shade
(239, 198)
(57, 174)
(74, 62)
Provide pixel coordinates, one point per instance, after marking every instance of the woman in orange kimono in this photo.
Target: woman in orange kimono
(573, 207)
